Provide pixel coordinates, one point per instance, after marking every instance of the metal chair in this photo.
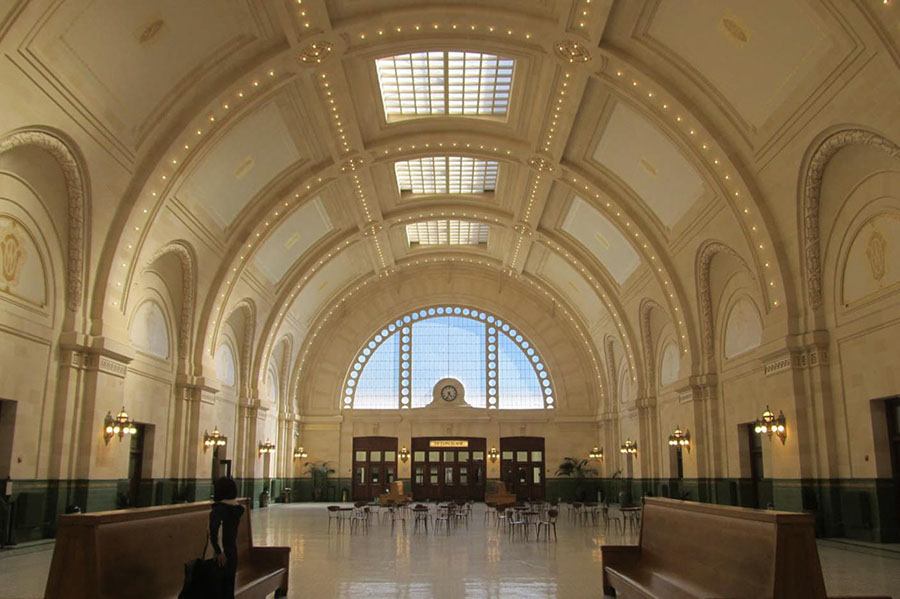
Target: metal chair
(547, 524)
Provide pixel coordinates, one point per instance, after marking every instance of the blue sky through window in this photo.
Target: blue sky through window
(399, 366)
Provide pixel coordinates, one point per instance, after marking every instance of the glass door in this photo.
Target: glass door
(374, 466)
(522, 466)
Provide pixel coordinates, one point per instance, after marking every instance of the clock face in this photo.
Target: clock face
(448, 393)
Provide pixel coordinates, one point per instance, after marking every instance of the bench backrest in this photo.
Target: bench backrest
(136, 553)
(731, 551)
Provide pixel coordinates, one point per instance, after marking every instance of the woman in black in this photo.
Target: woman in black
(226, 513)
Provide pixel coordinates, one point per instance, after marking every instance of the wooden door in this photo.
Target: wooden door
(374, 466)
(522, 467)
(757, 471)
(136, 466)
(448, 468)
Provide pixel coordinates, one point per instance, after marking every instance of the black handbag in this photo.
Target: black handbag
(202, 577)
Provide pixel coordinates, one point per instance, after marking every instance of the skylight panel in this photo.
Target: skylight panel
(446, 174)
(437, 83)
(447, 232)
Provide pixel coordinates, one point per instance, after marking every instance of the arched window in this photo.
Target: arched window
(400, 364)
(149, 333)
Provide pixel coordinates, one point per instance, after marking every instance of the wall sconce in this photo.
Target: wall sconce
(769, 424)
(120, 425)
(300, 453)
(213, 439)
(267, 447)
(680, 438)
(629, 447)
(404, 454)
(596, 453)
(493, 454)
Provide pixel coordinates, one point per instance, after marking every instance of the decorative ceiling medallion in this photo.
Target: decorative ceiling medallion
(352, 164)
(572, 51)
(316, 52)
(372, 229)
(735, 30)
(523, 229)
(541, 164)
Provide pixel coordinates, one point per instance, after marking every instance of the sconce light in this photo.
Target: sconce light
(267, 447)
(629, 447)
(680, 438)
(404, 454)
(493, 454)
(769, 424)
(120, 425)
(300, 453)
(213, 439)
(596, 453)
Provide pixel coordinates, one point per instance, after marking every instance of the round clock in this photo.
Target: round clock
(449, 391)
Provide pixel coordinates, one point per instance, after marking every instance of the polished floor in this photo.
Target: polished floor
(477, 563)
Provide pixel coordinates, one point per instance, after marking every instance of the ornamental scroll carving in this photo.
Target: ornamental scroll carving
(186, 257)
(75, 185)
(812, 189)
(704, 260)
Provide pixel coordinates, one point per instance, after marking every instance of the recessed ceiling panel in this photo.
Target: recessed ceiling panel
(334, 275)
(572, 285)
(445, 83)
(447, 232)
(446, 174)
(294, 235)
(242, 162)
(603, 239)
(755, 54)
(648, 162)
(123, 59)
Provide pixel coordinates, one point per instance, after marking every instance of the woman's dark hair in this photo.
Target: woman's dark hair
(224, 488)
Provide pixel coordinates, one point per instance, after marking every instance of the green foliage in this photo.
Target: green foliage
(319, 472)
(577, 469)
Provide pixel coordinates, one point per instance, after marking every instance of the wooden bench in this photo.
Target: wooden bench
(140, 554)
(688, 549)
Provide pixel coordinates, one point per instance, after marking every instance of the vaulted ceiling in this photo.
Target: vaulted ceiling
(261, 127)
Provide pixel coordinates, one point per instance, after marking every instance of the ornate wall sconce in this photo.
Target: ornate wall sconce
(213, 440)
(629, 447)
(404, 454)
(769, 424)
(300, 453)
(267, 447)
(680, 438)
(120, 425)
(493, 454)
(596, 453)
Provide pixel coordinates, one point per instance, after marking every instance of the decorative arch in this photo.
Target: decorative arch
(393, 349)
(646, 310)
(185, 254)
(742, 331)
(58, 146)
(812, 189)
(704, 258)
(248, 310)
(150, 309)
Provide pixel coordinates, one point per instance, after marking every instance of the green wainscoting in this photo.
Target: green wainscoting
(863, 509)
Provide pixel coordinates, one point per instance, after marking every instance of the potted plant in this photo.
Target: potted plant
(579, 470)
(319, 472)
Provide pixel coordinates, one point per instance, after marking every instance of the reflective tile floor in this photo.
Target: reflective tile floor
(477, 563)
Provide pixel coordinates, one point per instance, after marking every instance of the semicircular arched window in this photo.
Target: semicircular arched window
(399, 366)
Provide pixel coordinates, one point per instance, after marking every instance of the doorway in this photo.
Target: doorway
(522, 466)
(448, 468)
(892, 411)
(136, 467)
(374, 466)
(755, 496)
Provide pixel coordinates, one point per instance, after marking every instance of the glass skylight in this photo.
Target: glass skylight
(454, 83)
(447, 232)
(446, 174)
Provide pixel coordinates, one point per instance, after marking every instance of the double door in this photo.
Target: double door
(374, 466)
(522, 466)
(448, 468)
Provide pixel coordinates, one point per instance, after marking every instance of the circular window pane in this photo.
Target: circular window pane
(525, 345)
(351, 382)
(372, 344)
(539, 366)
(547, 390)
(492, 392)
(392, 327)
(366, 351)
(549, 399)
(407, 318)
(492, 400)
(354, 374)
(505, 327)
(492, 330)
(481, 315)
(378, 338)
(492, 356)
(440, 311)
(362, 359)
(405, 356)
(405, 347)
(357, 367)
(457, 310)
(519, 338)
(546, 383)
(492, 373)
(431, 311)
(404, 391)
(543, 375)
(404, 373)
(490, 319)
(465, 311)
(405, 365)
(492, 383)
(404, 383)
(384, 332)
(492, 366)
(535, 359)
(491, 347)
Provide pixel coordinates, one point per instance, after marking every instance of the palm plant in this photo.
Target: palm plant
(319, 472)
(577, 469)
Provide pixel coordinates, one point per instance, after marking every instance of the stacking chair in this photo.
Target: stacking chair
(334, 514)
(606, 518)
(517, 522)
(398, 514)
(420, 515)
(502, 515)
(547, 524)
(444, 517)
(360, 519)
(490, 513)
